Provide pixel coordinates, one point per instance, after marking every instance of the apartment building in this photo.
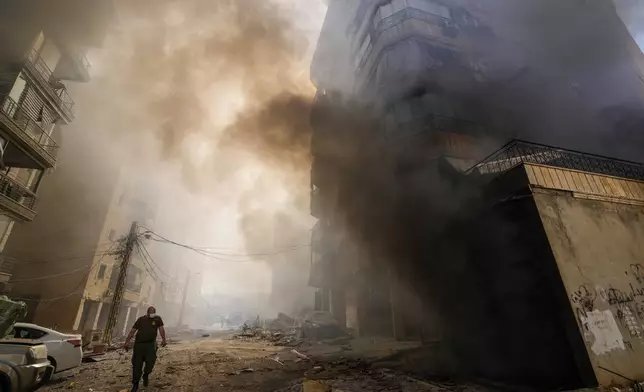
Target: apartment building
(42, 49)
(412, 93)
(67, 264)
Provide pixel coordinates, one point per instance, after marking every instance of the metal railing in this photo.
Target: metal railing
(7, 264)
(23, 121)
(17, 192)
(518, 152)
(396, 19)
(54, 87)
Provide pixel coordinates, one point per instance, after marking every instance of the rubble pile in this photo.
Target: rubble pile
(290, 332)
(290, 337)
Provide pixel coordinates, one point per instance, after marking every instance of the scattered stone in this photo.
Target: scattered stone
(300, 355)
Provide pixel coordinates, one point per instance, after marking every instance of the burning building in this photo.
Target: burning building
(496, 268)
(43, 47)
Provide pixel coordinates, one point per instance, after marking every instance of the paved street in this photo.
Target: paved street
(215, 364)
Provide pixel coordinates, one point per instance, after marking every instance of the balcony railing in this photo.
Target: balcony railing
(17, 192)
(7, 265)
(518, 152)
(29, 127)
(443, 26)
(55, 88)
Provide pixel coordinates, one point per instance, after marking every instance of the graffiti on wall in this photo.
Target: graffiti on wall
(625, 309)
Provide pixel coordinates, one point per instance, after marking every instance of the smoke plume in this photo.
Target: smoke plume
(210, 101)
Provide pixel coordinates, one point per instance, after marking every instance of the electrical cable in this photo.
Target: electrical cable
(150, 271)
(41, 261)
(151, 260)
(209, 249)
(218, 256)
(73, 256)
(80, 284)
(58, 274)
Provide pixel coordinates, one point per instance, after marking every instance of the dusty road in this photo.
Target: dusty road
(215, 364)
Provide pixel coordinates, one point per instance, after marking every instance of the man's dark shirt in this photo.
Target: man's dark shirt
(146, 329)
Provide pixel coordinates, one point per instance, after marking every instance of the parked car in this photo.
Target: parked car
(23, 365)
(64, 351)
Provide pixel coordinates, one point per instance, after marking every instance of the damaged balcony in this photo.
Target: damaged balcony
(73, 65)
(30, 146)
(50, 86)
(16, 200)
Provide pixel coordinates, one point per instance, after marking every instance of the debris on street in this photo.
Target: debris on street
(245, 366)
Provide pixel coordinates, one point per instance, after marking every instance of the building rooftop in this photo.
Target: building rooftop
(518, 152)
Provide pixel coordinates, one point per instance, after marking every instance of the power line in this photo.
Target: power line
(74, 291)
(151, 260)
(219, 256)
(146, 263)
(61, 273)
(72, 256)
(210, 249)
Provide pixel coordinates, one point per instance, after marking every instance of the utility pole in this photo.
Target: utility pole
(126, 256)
(183, 301)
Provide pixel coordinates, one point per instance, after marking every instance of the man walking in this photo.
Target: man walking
(145, 346)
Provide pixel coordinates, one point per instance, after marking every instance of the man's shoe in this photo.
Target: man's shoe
(146, 382)
(135, 387)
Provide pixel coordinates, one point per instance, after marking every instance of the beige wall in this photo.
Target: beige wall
(598, 243)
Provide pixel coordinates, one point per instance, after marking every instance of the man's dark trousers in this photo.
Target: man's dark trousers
(143, 352)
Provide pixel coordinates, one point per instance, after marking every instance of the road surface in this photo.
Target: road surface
(216, 364)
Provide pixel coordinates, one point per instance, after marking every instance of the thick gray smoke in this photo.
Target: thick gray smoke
(209, 100)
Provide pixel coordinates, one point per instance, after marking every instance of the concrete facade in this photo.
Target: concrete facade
(42, 52)
(598, 246)
(73, 285)
(406, 245)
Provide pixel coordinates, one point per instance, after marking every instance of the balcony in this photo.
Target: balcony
(7, 265)
(51, 87)
(73, 65)
(16, 200)
(31, 146)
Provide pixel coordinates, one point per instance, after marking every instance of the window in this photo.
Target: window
(101, 271)
(112, 235)
(27, 333)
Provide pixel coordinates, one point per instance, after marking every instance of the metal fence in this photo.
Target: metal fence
(55, 87)
(518, 152)
(24, 122)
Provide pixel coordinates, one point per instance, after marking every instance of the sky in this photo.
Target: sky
(632, 12)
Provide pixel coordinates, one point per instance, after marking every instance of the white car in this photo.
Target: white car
(64, 351)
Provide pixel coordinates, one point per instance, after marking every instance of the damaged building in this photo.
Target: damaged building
(68, 260)
(41, 50)
(523, 266)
